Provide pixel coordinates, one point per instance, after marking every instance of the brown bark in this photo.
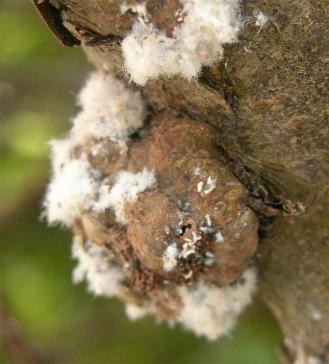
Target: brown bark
(268, 99)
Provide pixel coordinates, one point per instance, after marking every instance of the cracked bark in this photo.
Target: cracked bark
(268, 98)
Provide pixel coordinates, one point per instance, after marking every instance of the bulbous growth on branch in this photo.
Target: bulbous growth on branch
(156, 214)
(268, 98)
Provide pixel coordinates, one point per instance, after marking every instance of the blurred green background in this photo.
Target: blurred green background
(43, 317)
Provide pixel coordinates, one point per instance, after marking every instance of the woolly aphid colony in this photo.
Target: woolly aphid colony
(81, 194)
(109, 110)
(205, 27)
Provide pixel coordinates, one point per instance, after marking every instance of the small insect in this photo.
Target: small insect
(52, 18)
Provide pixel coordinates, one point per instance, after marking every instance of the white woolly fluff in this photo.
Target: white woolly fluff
(135, 312)
(212, 311)
(208, 310)
(72, 189)
(260, 18)
(94, 266)
(206, 26)
(170, 257)
(76, 186)
(61, 150)
(109, 110)
(126, 189)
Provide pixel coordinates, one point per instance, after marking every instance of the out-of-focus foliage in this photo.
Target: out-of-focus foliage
(38, 80)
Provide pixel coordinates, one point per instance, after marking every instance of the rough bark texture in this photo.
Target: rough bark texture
(268, 99)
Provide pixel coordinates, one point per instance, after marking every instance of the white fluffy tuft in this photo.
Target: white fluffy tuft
(260, 18)
(94, 266)
(135, 312)
(212, 311)
(208, 310)
(109, 110)
(126, 189)
(207, 25)
(169, 257)
(72, 189)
